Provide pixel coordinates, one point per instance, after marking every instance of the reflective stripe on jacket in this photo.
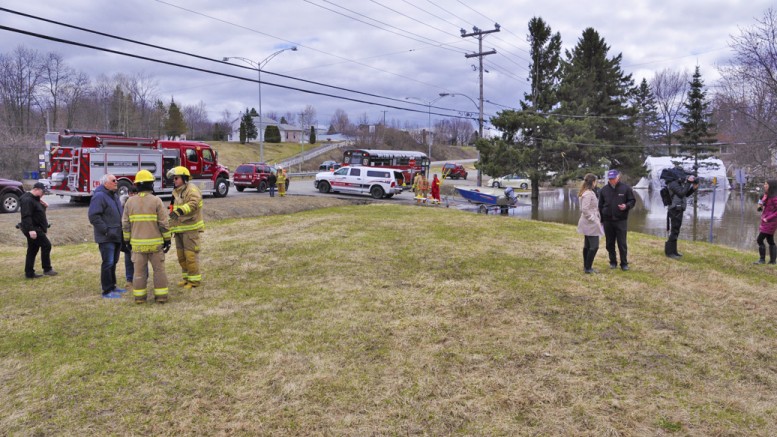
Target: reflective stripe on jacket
(187, 202)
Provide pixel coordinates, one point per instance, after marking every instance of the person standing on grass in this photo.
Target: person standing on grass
(615, 200)
(105, 212)
(679, 190)
(590, 223)
(271, 181)
(768, 224)
(187, 226)
(129, 266)
(34, 226)
(436, 188)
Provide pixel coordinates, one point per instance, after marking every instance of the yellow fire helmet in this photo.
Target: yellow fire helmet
(144, 176)
(178, 171)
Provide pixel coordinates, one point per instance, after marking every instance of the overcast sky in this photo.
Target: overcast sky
(390, 49)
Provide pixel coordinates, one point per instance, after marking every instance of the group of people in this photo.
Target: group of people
(422, 188)
(137, 224)
(277, 178)
(605, 212)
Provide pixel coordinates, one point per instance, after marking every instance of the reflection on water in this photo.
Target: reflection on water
(734, 218)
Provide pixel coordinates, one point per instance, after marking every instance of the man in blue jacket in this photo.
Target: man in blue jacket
(105, 216)
(615, 200)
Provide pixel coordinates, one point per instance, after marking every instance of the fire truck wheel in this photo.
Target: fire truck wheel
(262, 187)
(222, 188)
(123, 187)
(9, 202)
(240, 189)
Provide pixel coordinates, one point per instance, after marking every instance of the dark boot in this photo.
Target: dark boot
(762, 255)
(590, 260)
(670, 249)
(772, 254)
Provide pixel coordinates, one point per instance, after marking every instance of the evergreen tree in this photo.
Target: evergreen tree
(525, 146)
(697, 127)
(283, 120)
(250, 127)
(595, 110)
(331, 130)
(647, 122)
(254, 113)
(175, 126)
(272, 134)
(242, 131)
(312, 139)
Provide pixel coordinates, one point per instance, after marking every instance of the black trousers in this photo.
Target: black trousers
(42, 244)
(761, 237)
(675, 221)
(615, 231)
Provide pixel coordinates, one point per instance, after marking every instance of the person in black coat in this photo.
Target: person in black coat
(105, 212)
(271, 181)
(616, 199)
(679, 189)
(34, 226)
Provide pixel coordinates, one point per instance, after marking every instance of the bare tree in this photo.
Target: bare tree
(307, 118)
(143, 90)
(746, 105)
(56, 76)
(340, 121)
(196, 118)
(74, 96)
(670, 89)
(21, 77)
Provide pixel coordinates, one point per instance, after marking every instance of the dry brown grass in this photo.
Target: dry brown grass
(390, 320)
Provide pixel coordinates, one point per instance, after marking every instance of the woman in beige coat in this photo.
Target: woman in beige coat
(590, 223)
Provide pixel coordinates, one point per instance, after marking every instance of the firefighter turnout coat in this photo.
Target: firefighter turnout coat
(145, 226)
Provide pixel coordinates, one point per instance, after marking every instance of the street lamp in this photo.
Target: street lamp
(258, 67)
(428, 103)
(480, 124)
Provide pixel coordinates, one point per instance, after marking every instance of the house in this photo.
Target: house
(289, 133)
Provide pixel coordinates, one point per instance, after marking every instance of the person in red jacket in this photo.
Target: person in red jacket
(436, 189)
(768, 207)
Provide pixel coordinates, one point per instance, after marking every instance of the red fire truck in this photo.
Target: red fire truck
(78, 159)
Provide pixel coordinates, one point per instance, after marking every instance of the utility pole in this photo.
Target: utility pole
(479, 34)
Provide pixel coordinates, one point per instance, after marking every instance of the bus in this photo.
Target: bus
(409, 161)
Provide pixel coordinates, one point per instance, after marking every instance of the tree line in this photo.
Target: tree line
(585, 114)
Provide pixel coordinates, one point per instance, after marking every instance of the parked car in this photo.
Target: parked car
(513, 180)
(254, 175)
(377, 182)
(454, 171)
(329, 166)
(10, 192)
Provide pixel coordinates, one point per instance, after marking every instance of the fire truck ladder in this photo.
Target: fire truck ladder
(75, 170)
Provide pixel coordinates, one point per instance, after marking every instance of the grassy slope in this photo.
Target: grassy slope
(395, 320)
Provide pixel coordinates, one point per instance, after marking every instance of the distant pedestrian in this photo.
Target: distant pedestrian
(590, 224)
(280, 182)
(105, 212)
(616, 199)
(271, 181)
(436, 189)
(34, 226)
(768, 223)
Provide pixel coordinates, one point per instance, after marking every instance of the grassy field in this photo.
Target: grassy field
(396, 320)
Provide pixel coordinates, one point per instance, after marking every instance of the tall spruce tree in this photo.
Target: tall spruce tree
(595, 110)
(526, 144)
(647, 123)
(175, 126)
(250, 127)
(698, 130)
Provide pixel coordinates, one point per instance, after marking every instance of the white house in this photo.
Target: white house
(289, 133)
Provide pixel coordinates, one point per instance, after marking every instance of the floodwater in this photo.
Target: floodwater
(734, 217)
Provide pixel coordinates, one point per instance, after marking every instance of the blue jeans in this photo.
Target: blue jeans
(129, 267)
(110, 255)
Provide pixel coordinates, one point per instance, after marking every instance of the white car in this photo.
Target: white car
(378, 182)
(515, 181)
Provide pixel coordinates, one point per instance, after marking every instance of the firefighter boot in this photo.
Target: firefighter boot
(193, 268)
(161, 298)
(772, 254)
(140, 296)
(761, 255)
(182, 262)
(183, 282)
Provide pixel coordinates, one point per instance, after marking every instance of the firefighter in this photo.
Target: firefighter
(280, 181)
(145, 228)
(187, 226)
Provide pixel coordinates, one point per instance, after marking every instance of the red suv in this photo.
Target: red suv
(254, 175)
(454, 171)
(10, 192)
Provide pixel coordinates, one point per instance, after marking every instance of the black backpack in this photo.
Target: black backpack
(668, 175)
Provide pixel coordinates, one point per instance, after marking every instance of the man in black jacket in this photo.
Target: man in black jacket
(679, 189)
(615, 200)
(34, 226)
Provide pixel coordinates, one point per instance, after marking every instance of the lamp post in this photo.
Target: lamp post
(428, 103)
(480, 124)
(258, 67)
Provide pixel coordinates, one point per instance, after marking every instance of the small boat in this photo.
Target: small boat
(485, 197)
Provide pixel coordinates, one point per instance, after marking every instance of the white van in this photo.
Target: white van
(378, 182)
